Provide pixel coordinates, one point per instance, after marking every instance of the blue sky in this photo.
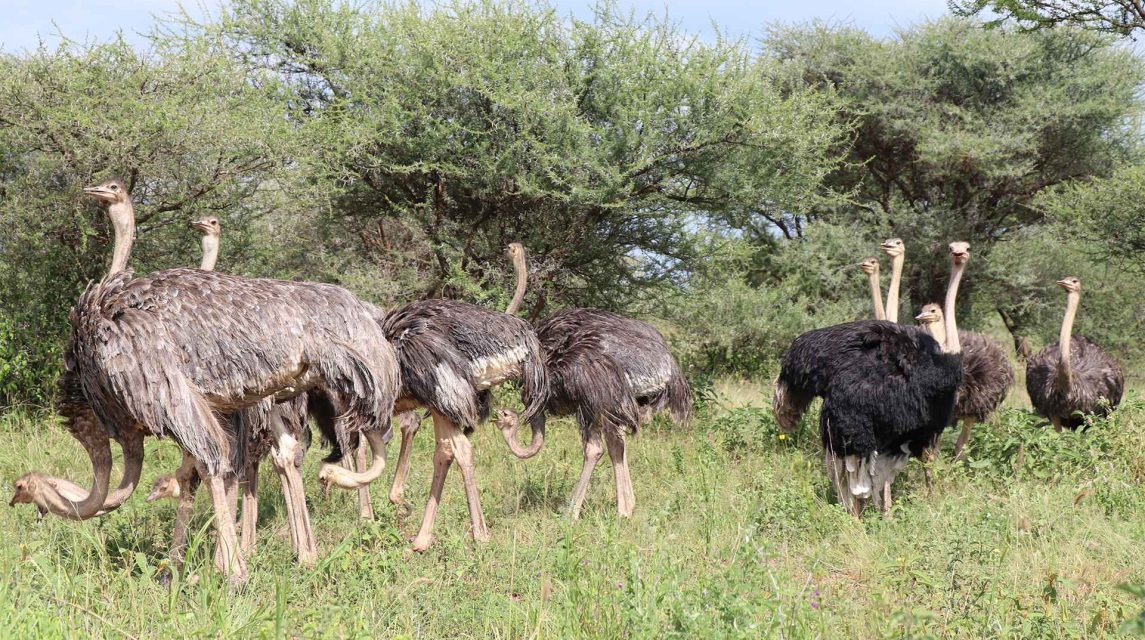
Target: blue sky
(27, 20)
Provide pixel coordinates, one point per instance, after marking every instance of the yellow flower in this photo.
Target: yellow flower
(783, 436)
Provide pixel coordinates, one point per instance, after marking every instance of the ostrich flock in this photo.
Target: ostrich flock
(233, 368)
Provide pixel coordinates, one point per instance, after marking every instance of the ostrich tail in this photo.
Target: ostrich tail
(788, 405)
(679, 396)
(534, 380)
(366, 389)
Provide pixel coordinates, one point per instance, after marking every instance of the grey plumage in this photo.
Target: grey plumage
(1088, 381)
(613, 373)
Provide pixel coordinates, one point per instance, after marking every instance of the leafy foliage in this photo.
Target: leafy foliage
(1122, 17)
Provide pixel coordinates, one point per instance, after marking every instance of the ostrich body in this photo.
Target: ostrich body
(887, 389)
(614, 373)
(1074, 377)
(451, 354)
(987, 375)
(167, 353)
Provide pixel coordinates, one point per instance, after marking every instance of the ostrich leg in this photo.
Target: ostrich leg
(249, 518)
(229, 555)
(463, 454)
(284, 454)
(617, 451)
(593, 450)
(1057, 424)
(365, 504)
(409, 428)
(188, 478)
(967, 424)
(442, 457)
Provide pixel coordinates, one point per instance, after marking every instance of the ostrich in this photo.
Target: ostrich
(614, 373)
(894, 248)
(167, 353)
(451, 354)
(279, 431)
(1074, 377)
(986, 374)
(886, 389)
(870, 266)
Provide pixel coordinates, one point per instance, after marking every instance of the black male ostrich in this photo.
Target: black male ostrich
(614, 373)
(987, 374)
(1075, 377)
(887, 389)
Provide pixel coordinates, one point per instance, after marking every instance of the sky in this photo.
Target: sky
(27, 21)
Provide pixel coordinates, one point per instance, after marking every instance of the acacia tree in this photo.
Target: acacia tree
(438, 135)
(1123, 17)
(959, 130)
(185, 130)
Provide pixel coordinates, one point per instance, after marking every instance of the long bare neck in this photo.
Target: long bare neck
(937, 331)
(210, 252)
(893, 290)
(122, 216)
(1065, 375)
(952, 344)
(877, 296)
(522, 277)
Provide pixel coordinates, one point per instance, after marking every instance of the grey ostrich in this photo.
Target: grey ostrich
(1075, 377)
(870, 266)
(451, 354)
(279, 431)
(894, 248)
(987, 374)
(614, 373)
(167, 353)
(886, 389)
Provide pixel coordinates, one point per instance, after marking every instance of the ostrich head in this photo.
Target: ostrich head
(113, 191)
(26, 487)
(1072, 284)
(870, 266)
(931, 313)
(893, 247)
(516, 250)
(959, 252)
(164, 487)
(208, 226)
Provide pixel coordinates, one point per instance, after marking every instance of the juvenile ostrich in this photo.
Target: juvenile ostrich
(614, 373)
(870, 266)
(886, 389)
(1074, 377)
(986, 374)
(894, 248)
(167, 353)
(451, 354)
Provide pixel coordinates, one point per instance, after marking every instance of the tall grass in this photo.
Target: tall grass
(735, 535)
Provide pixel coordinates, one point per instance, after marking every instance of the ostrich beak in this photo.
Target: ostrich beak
(200, 225)
(96, 191)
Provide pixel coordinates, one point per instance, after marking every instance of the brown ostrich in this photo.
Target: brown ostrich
(452, 354)
(167, 353)
(987, 375)
(1075, 377)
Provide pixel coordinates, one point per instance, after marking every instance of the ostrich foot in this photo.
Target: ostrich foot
(422, 543)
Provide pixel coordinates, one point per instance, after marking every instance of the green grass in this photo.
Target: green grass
(735, 535)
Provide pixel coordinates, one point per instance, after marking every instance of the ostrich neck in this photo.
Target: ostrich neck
(877, 296)
(519, 293)
(893, 290)
(1065, 375)
(210, 253)
(937, 331)
(952, 344)
(123, 221)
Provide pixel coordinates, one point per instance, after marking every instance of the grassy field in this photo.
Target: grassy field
(735, 535)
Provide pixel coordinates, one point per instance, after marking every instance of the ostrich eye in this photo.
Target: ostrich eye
(115, 187)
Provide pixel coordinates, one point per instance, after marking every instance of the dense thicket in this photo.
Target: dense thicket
(725, 188)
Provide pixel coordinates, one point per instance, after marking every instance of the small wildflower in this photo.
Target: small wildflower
(783, 436)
